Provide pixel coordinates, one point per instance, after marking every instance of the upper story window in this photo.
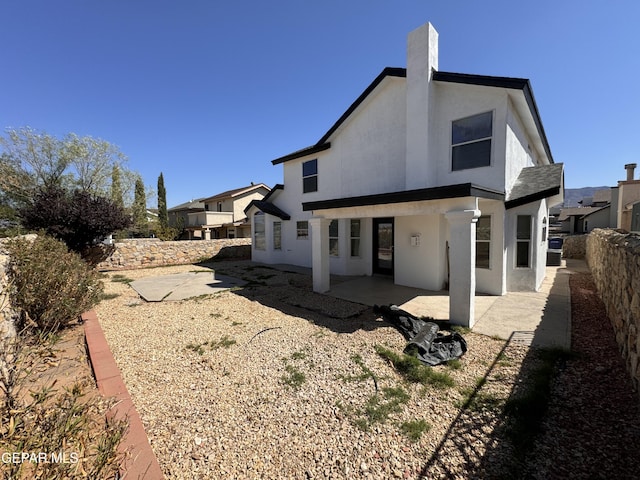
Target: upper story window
(471, 141)
(310, 176)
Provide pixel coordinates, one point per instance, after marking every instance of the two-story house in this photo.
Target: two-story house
(221, 215)
(437, 179)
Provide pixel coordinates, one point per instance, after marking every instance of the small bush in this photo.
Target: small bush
(51, 286)
(414, 371)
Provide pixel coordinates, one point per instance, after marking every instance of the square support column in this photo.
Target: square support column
(320, 253)
(462, 266)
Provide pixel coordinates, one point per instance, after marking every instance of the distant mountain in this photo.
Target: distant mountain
(573, 195)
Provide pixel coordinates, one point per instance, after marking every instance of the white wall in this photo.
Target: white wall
(422, 266)
(453, 102)
(493, 281)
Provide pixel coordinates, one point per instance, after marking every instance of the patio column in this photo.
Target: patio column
(207, 234)
(462, 266)
(320, 253)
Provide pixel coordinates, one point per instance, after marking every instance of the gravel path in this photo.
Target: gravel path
(274, 381)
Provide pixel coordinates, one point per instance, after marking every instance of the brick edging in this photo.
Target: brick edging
(140, 461)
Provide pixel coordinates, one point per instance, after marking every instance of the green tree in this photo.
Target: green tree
(139, 209)
(163, 216)
(116, 187)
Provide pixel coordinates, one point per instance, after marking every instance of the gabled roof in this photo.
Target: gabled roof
(536, 183)
(522, 84)
(267, 207)
(235, 192)
(600, 196)
(323, 143)
(196, 204)
(596, 209)
(433, 193)
(565, 213)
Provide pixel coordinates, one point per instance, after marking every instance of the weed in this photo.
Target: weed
(236, 324)
(454, 364)
(379, 407)
(460, 329)
(414, 371)
(109, 296)
(196, 348)
(294, 378)
(118, 278)
(414, 429)
(300, 355)
(224, 342)
(215, 315)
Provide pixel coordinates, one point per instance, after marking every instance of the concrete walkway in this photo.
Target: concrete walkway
(183, 285)
(540, 318)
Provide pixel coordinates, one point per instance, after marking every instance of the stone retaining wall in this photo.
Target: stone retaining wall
(141, 253)
(575, 246)
(614, 260)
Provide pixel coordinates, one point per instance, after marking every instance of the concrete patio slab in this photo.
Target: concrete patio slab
(180, 286)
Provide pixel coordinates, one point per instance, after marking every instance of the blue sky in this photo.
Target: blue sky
(209, 92)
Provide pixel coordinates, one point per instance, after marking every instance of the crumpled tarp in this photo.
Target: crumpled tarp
(425, 341)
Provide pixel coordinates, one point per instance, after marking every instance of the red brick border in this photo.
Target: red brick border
(140, 461)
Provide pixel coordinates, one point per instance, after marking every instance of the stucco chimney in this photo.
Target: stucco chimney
(422, 60)
(630, 168)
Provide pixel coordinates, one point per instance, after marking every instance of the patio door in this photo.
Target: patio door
(383, 246)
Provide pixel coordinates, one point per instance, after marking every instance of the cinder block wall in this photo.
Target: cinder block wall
(142, 253)
(614, 260)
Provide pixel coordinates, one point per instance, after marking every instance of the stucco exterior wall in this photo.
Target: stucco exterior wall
(614, 260)
(494, 279)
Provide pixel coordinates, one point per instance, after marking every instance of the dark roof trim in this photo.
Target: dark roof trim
(277, 186)
(269, 208)
(387, 72)
(502, 82)
(434, 193)
(323, 143)
(302, 153)
(532, 198)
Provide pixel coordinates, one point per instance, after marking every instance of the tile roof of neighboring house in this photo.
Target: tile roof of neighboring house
(269, 208)
(536, 183)
(433, 193)
(235, 192)
(602, 195)
(196, 204)
(565, 213)
(462, 78)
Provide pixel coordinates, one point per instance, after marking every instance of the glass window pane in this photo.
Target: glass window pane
(355, 228)
(333, 247)
(333, 228)
(302, 229)
(483, 228)
(277, 235)
(310, 184)
(471, 128)
(522, 254)
(524, 227)
(471, 155)
(482, 255)
(355, 247)
(310, 168)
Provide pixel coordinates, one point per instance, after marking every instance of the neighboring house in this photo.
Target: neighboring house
(222, 215)
(179, 215)
(436, 179)
(575, 220)
(628, 196)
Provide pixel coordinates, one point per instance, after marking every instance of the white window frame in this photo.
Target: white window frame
(355, 236)
(334, 238)
(259, 234)
(277, 235)
(484, 241)
(522, 241)
(302, 230)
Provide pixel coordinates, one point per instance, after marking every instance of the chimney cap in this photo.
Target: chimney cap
(630, 165)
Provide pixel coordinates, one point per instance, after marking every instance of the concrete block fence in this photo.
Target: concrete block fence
(614, 260)
(142, 253)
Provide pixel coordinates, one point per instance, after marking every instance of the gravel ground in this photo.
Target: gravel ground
(274, 381)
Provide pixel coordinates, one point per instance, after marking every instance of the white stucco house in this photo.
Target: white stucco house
(436, 179)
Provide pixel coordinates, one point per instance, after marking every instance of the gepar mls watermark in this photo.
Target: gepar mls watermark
(39, 457)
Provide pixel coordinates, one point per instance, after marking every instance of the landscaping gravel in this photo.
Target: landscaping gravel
(274, 381)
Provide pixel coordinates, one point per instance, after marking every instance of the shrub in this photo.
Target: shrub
(51, 286)
(79, 219)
